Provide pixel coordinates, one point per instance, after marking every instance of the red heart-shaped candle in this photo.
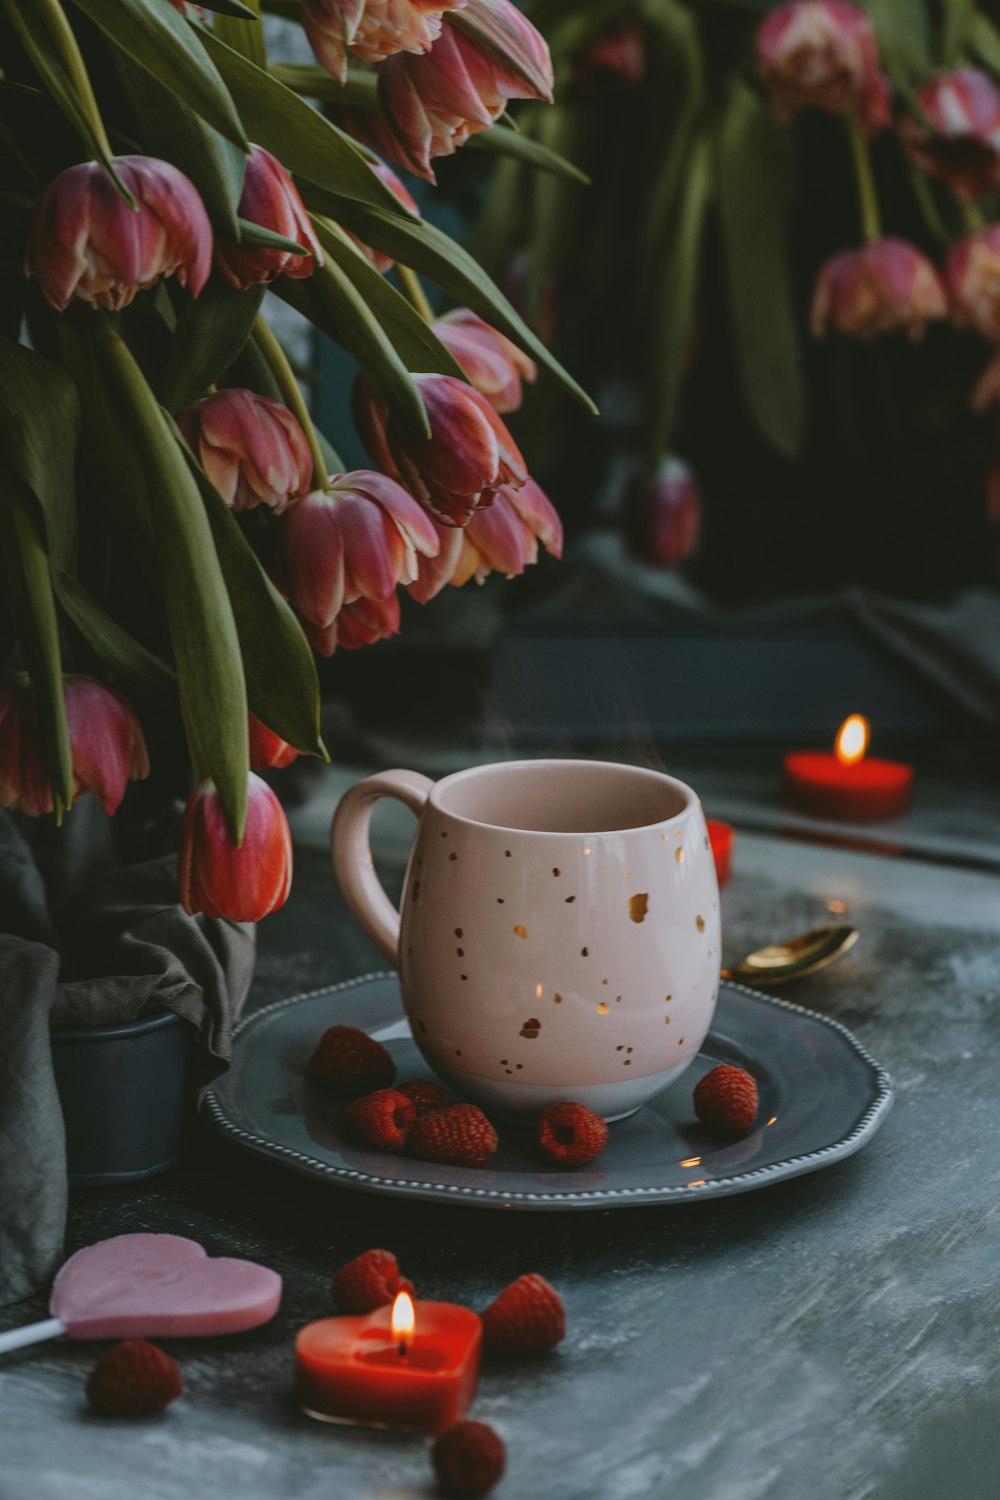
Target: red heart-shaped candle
(160, 1285)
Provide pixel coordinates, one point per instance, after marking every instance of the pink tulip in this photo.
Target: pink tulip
(377, 258)
(493, 364)
(503, 539)
(886, 285)
(822, 54)
(268, 749)
(459, 468)
(355, 540)
(106, 745)
(252, 448)
(962, 145)
(972, 275)
(663, 517)
(358, 624)
(271, 199)
(619, 52)
(86, 242)
(221, 880)
(371, 30)
(430, 105)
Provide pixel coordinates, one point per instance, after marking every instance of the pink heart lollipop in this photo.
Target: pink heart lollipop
(160, 1285)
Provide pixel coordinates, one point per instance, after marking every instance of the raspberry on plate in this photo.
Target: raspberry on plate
(425, 1096)
(527, 1318)
(571, 1134)
(726, 1102)
(368, 1281)
(382, 1120)
(461, 1136)
(348, 1059)
(468, 1459)
(133, 1379)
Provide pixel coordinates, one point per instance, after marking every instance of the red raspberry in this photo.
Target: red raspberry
(527, 1318)
(368, 1281)
(382, 1119)
(133, 1379)
(426, 1097)
(571, 1134)
(468, 1459)
(461, 1136)
(350, 1060)
(725, 1101)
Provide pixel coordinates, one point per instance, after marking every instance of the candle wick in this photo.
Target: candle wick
(402, 1348)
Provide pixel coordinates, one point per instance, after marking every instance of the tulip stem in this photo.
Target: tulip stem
(410, 282)
(972, 215)
(288, 385)
(66, 45)
(871, 227)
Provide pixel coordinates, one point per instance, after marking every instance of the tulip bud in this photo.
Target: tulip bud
(972, 275)
(432, 104)
(371, 30)
(106, 745)
(886, 285)
(962, 143)
(221, 880)
(357, 539)
(662, 517)
(377, 258)
(361, 623)
(502, 539)
(271, 199)
(86, 242)
(268, 749)
(822, 54)
(459, 468)
(252, 448)
(493, 364)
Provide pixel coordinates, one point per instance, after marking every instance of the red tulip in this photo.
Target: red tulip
(663, 517)
(357, 539)
(886, 285)
(620, 51)
(268, 749)
(106, 745)
(370, 30)
(271, 199)
(86, 242)
(466, 459)
(822, 54)
(503, 539)
(432, 104)
(378, 259)
(358, 624)
(972, 274)
(221, 880)
(962, 145)
(252, 448)
(493, 364)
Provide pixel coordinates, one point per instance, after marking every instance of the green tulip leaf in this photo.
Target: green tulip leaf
(269, 239)
(504, 141)
(230, 8)
(755, 169)
(39, 431)
(211, 332)
(167, 46)
(245, 34)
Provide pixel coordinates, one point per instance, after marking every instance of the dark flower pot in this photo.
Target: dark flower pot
(123, 1092)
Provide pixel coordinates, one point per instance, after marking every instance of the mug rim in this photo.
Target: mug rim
(691, 800)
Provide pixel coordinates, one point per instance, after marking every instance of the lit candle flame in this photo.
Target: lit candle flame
(403, 1321)
(852, 740)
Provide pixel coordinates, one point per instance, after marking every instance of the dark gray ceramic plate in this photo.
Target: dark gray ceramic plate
(821, 1098)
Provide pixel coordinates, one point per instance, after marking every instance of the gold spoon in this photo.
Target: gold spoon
(780, 962)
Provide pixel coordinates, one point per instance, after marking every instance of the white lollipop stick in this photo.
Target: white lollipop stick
(31, 1333)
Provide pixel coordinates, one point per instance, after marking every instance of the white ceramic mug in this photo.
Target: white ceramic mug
(559, 933)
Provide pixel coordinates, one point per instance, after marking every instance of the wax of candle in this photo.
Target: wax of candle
(352, 1370)
(720, 836)
(846, 785)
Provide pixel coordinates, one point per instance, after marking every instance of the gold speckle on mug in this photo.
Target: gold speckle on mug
(638, 906)
(620, 1047)
(519, 1066)
(602, 1009)
(627, 1063)
(499, 901)
(538, 992)
(458, 932)
(618, 999)
(586, 851)
(666, 1020)
(626, 873)
(458, 1051)
(530, 1029)
(443, 834)
(680, 1041)
(604, 981)
(520, 930)
(664, 836)
(416, 890)
(460, 952)
(699, 922)
(584, 952)
(557, 998)
(570, 900)
(630, 1049)
(506, 854)
(679, 854)
(556, 871)
(503, 1062)
(452, 856)
(668, 998)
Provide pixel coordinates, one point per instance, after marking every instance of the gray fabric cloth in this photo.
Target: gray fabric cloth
(88, 941)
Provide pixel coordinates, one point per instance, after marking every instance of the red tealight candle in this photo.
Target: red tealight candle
(413, 1367)
(847, 785)
(720, 836)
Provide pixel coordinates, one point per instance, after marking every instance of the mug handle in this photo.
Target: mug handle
(352, 855)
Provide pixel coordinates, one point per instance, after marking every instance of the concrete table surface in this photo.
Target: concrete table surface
(831, 1338)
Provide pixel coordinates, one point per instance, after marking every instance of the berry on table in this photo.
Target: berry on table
(382, 1120)
(425, 1096)
(133, 1379)
(726, 1102)
(571, 1134)
(460, 1136)
(368, 1281)
(349, 1060)
(528, 1317)
(468, 1459)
